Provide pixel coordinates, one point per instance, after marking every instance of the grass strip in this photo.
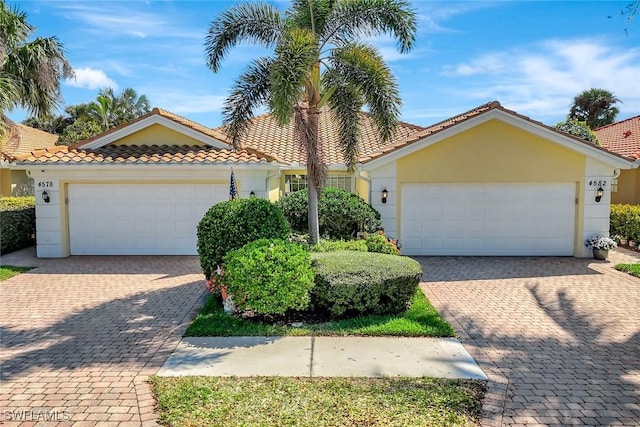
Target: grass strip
(421, 320)
(317, 402)
(8, 271)
(633, 269)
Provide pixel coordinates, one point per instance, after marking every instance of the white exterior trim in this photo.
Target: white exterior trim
(508, 118)
(154, 119)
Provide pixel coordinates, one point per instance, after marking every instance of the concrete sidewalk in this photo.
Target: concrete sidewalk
(322, 357)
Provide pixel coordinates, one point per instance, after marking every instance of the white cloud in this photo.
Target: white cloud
(541, 80)
(91, 78)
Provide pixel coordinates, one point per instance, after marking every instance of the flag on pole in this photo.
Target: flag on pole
(233, 190)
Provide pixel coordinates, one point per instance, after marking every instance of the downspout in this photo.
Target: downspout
(368, 181)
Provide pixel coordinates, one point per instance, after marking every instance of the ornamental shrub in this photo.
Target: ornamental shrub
(340, 245)
(232, 224)
(269, 276)
(378, 242)
(341, 214)
(578, 128)
(624, 220)
(349, 283)
(17, 223)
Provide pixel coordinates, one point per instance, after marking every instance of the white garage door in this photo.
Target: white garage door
(488, 219)
(138, 219)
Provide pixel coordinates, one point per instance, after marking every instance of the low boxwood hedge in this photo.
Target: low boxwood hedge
(17, 223)
(351, 283)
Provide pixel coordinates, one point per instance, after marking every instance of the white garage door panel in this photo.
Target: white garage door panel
(488, 219)
(138, 219)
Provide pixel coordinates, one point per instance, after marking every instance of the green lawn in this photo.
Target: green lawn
(633, 269)
(8, 271)
(317, 402)
(421, 320)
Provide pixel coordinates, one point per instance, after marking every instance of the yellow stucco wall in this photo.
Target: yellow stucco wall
(158, 135)
(5, 182)
(492, 152)
(628, 188)
(362, 189)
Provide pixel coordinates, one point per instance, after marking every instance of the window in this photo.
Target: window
(299, 182)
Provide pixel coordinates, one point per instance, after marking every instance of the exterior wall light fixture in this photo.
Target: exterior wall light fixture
(385, 194)
(45, 197)
(599, 194)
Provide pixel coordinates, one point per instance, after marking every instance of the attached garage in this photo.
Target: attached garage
(488, 219)
(138, 219)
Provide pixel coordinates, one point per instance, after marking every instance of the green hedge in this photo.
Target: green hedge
(341, 214)
(17, 223)
(269, 276)
(232, 224)
(350, 283)
(625, 221)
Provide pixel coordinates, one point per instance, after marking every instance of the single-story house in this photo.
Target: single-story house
(486, 182)
(623, 138)
(20, 139)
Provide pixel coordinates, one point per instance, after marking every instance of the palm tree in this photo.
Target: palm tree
(30, 71)
(594, 106)
(318, 59)
(110, 110)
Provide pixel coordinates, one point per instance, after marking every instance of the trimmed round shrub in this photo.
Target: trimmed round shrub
(341, 214)
(269, 276)
(349, 283)
(232, 224)
(340, 245)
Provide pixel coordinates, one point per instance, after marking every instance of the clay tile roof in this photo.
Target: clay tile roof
(266, 136)
(622, 138)
(140, 154)
(21, 139)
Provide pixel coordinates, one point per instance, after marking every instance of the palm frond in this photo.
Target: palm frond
(259, 23)
(310, 14)
(353, 18)
(361, 66)
(38, 67)
(250, 91)
(346, 103)
(291, 71)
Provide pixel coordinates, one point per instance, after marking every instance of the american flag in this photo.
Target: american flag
(233, 190)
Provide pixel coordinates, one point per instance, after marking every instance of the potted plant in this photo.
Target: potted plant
(600, 246)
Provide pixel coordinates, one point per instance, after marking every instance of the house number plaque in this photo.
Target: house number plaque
(597, 183)
(46, 184)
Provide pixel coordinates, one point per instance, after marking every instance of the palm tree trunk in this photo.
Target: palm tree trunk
(315, 172)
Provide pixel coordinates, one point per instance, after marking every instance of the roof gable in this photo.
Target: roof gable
(622, 137)
(472, 118)
(162, 118)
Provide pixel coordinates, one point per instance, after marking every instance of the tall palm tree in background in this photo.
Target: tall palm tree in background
(110, 110)
(30, 71)
(596, 107)
(318, 59)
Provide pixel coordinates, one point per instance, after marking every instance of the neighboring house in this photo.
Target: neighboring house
(623, 138)
(486, 182)
(20, 139)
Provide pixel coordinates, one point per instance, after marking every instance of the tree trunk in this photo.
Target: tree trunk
(315, 172)
(314, 223)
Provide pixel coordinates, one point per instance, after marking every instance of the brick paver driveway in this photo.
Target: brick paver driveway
(79, 336)
(559, 338)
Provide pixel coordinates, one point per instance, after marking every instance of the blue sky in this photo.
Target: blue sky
(533, 57)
